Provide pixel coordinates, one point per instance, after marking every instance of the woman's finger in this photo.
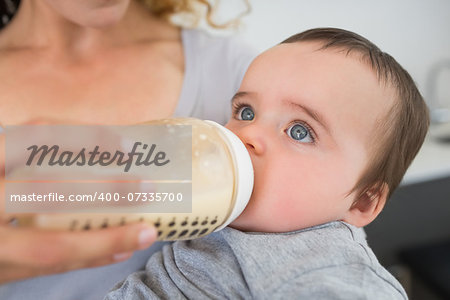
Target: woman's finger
(31, 251)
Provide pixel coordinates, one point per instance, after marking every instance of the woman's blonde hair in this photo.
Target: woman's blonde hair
(190, 12)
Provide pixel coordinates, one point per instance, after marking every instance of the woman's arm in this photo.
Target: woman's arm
(31, 252)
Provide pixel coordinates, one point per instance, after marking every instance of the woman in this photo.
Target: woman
(102, 62)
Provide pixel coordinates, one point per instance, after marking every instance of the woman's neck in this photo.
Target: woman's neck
(37, 26)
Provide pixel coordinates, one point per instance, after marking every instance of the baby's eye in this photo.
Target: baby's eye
(246, 113)
(301, 133)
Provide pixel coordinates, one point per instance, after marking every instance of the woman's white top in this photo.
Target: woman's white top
(214, 67)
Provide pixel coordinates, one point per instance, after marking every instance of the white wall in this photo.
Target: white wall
(415, 32)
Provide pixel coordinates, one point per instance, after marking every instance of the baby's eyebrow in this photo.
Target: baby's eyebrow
(240, 95)
(311, 112)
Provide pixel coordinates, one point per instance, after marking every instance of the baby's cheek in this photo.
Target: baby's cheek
(289, 214)
(277, 213)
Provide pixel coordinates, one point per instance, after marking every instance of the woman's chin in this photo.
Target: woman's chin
(103, 20)
(102, 17)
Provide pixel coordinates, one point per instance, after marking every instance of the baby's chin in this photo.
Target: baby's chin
(258, 221)
(245, 223)
(248, 222)
(252, 220)
(254, 227)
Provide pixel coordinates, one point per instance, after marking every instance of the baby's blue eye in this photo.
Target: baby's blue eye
(246, 113)
(300, 133)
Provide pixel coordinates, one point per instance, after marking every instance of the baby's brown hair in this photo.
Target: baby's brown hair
(401, 133)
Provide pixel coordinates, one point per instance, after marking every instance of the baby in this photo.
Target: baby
(331, 124)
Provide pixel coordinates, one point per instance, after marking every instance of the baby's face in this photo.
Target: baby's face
(307, 117)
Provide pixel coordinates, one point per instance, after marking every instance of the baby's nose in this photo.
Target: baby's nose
(253, 139)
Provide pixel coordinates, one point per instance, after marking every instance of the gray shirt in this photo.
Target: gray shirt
(214, 68)
(330, 261)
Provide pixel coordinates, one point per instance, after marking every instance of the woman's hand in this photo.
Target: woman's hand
(29, 252)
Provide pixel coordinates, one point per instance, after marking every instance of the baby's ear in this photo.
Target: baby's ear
(367, 207)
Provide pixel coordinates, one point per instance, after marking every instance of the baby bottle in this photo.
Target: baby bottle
(221, 186)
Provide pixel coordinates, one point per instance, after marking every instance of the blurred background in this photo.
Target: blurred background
(412, 235)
